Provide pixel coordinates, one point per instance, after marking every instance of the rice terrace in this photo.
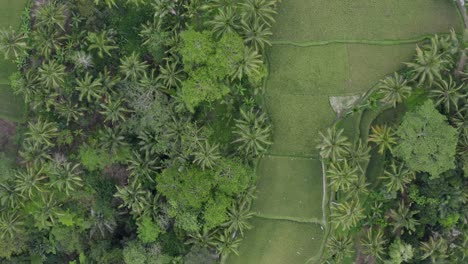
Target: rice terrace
(233, 131)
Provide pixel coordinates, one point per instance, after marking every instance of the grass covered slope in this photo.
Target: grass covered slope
(305, 20)
(11, 107)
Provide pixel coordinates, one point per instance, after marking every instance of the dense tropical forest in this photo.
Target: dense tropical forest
(143, 125)
(145, 130)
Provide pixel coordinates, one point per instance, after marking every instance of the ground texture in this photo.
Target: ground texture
(323, 48)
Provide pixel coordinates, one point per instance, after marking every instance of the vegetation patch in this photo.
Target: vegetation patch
(277, 242)
(289, 187)
(303, 20)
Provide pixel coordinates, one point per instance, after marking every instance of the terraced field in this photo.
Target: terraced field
(322, 48)
(11, 107)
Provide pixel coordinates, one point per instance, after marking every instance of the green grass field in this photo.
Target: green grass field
(279, 242)
(305, 20)
(11, 106)
(277, 177)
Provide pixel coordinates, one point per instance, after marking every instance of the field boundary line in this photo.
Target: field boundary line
(292, 219)
(383, 42)
(283, 155)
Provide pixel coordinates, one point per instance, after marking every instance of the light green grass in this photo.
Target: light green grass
(297, 119)
(279, 242)
(11, 106)
(306, 20)
(290, 188)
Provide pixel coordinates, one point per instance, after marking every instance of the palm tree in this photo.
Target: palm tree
(12, 43)
(47, 211)
(256, 34)
(69, 111)
(163, 8)
(339, 247)
(342, 175)
(133, 196)
(50, 15)
(45, 42)
(253, 132)
(206, 155)
(259, 10)
(30, 181)
(334, 144)
(347, 214)
(52, 74)
(428, 65)
(249, 65)
(358, 154)
(384, 137)
(397, 177)
(10, 224)
(435, 248)
(170, 75)
(143, 165)
(89, 88)
(403, 219)
(149, 142)
(113, 111)
(132, 68)
(66, 177)
(100, 42)
(42, 132)
(448, 94)
(358, 188)
(226, 244)
(82, 60)
(137, 2)
(373, 244)
(27, 85)
(111, 139)
(10, 196)
(239, 214)
(109, 3)
(224, 22)
(34, 153)
(203, 239)
(394, 89)
(100, 224)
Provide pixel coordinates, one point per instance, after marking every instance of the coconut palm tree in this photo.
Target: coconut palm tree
(448, 94)
(394, 89)
(113, 111)
(358, 188)
(253, 132)
(206, 155)
(52, 74)
(163, 8)
(358, 154)
(47, 211)
(51, 15)
(397, 177)
(342, 175)
(12, 43)
(226, 244)
(239, 215)
(403, 219)
(66, 177)
(347, 215)
(133, 196)
(249, 65)
(203, 239)
(69, 111)
(101, 42)
(132, 68)
(27, 86)
(42, 132)
(111, 139)
(10, 197)
(428, 65)
(82, 60)
(339, 247)
(143, 165)
(89, 88)
(334, 145)
(148, 142)
(170, 74)
(373, 244)
(34, 153)
(256, 34)
(46, 43)
(384, 137)
(10, 224)
(109, 3)
(261, 10)
(100, 224)
(226, 21)
(435, 248)
(30, 181)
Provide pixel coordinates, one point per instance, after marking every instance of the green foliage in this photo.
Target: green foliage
(148, 230)
(428, 143)
(93, 159)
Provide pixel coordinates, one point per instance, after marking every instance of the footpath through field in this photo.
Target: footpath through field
(322, 48)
